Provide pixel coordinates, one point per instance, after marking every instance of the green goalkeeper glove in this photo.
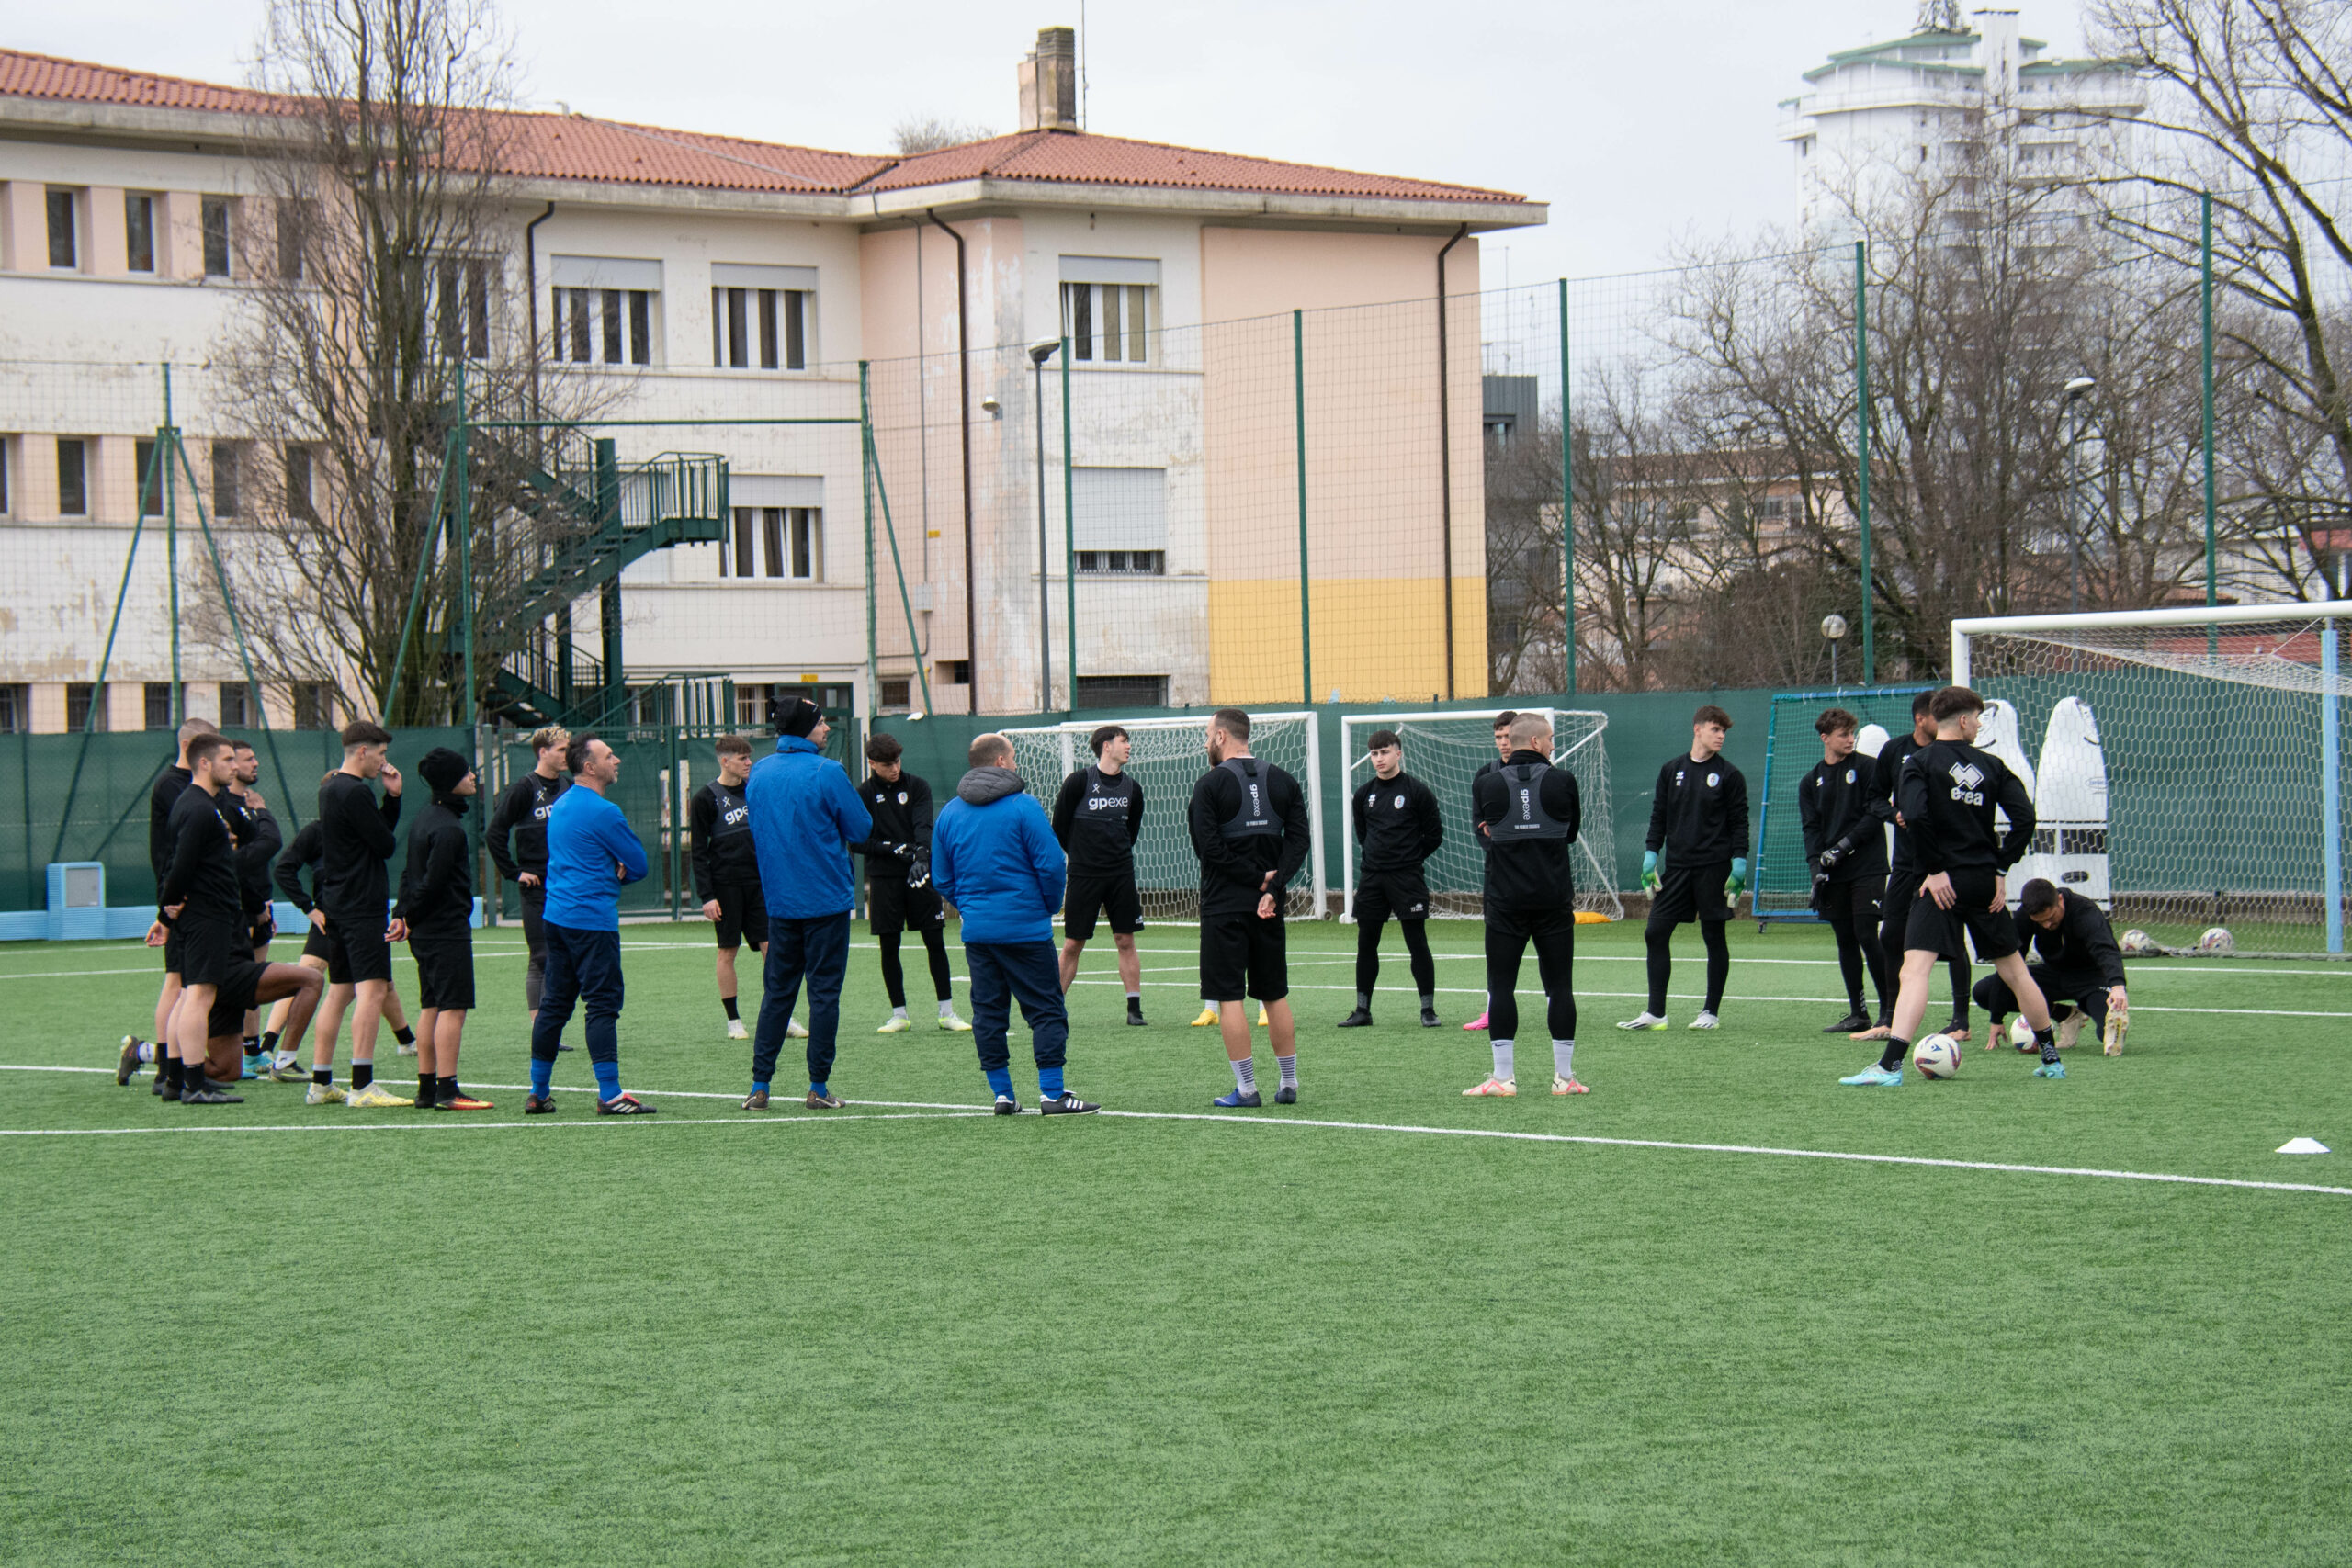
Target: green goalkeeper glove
(1649, 870)
(1738, 882)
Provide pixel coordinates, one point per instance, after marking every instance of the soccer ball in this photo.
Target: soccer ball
(2218, 941)
(1936, 1056)
(2137, 942)
(2020, 1032)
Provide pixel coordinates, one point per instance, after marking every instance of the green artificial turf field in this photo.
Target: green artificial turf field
(904, 1334)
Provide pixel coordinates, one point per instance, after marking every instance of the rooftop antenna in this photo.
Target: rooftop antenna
(1939, 17)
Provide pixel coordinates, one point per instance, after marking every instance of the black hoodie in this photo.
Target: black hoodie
(437, 888)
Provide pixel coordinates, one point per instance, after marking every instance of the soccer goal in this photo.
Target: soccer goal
(2190, 772)
(1781, 886)
(1166, 758)
(1445, 750)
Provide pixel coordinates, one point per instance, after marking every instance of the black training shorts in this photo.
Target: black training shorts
(314, 940)
(445, 969)
(207, 947)
(1112, 896)
(1947, 933)
(357, 949)
(742, 914)
(1392, 895)
(1526, 925)
(234, 998)
(1690, 893)
(1242, 955)
(892, 906)
(175, 950)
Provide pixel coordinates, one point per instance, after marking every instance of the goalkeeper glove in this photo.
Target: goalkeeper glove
(919, 873)
(1738, 882)
(1832, 856)
(1649, 870)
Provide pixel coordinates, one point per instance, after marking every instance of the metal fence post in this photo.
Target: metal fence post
(162, 456)
(1568, 511)
(1305, 608)
(868, 459)
(1862, 451)
(2205, 289)
(1069, 539)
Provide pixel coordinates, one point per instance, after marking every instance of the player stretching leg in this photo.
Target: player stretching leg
(727, 873)
(1503, 721)
(1528, 814)
(1699, 819)
(899, 895)
(1097, 817)
(2081, 972)
(1947, 795)
(1845, 846)
(1903, 878)
(1249, 827)
(1399, 826)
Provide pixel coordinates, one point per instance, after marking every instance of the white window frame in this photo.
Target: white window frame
(471, 282)
(763, 318)
(606, 311)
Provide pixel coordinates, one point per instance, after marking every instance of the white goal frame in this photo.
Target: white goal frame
(1073, 734)
(2335, 613)
(1350, 723)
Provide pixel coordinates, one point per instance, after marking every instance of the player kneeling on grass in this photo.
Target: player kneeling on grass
(436, 905)
(727, 872)
(1699, 824)
(1399, 826)
(1528, 815)
(200, 904)
(2081, 972)
(1249, 827)
(1948, 793)
(993, 852)
(1097, 817)
(899, 895)
(592, 851)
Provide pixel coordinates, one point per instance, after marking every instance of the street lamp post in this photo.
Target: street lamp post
(1038, 353)
(1833, 626)
(2077, 389)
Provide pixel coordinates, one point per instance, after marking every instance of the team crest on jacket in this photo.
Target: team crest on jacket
(1713, 779)
(1400, 803)
(1849, 775)
(902, 798)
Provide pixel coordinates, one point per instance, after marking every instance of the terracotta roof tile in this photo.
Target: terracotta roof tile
(577, 147)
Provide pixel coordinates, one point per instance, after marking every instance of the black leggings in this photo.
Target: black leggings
(1661, 965)
(895, 978)
(1556, 963)
(1850, 909)
(1417, 946)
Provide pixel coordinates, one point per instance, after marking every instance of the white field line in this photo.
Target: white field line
(922, 1111)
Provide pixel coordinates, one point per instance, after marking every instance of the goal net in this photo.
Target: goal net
(2190, 763)
(1166, 759)
(1781, 885)
(1445, 750)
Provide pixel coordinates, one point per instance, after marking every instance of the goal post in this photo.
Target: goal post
(2192, 760)
(1445, 749)
(1165, 757)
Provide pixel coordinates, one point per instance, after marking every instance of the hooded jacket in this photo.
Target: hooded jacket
(994, 856)
(803, 818)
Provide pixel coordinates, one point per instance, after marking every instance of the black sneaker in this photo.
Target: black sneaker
(162, 1080)
(1067, 1105)
(1007, 1105)
(822, 1102)
(127, 1066)
(563, 1044)
(1429, 1019)
(1285, 1097)
(624, 1105)
(1360, 1018)
(166, 1087)
(206, 1092)
(756, 1101)
(1135, 1018)
(538, 1105)
(1852, 1023)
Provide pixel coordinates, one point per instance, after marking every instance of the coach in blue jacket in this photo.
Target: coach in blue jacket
(804, 816)
(993, 855)
(591, 850)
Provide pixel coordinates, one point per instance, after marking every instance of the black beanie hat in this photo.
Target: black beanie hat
(797, 715)
(443, 770)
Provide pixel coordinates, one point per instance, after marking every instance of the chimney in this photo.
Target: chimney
(1050, 81)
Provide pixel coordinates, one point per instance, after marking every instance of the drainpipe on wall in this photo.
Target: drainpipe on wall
(1445, 457)
(963, 446)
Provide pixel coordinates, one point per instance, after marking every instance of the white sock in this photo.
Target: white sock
(1245, 1075)
(947, 1009)
(898, 1012)
(1564, 1058)
(1289, 1068)
(1502, 1060)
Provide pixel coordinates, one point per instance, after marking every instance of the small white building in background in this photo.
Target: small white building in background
(1894, 111)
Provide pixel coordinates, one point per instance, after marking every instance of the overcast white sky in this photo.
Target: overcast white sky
(1637, 123)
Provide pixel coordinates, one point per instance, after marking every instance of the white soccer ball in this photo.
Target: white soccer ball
(1937, 1057)
(2138, 943)
(2020, 1032)
(2216, 940)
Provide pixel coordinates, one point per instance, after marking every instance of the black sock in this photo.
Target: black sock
(449, 1091)
(323, 1075)
(269, 1040)
(2048, 1040)
(405, 1037)
(1891, 1059)
(1660, 963)
(428, 1088)
(174, 1073)
(362, 1075)
(1718, 961)
(252, 1045)
(1135, 1005)
(729, 1003)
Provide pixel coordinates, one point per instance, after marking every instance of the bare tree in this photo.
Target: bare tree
(2253, 102)
(930, 132)
(395, 287)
